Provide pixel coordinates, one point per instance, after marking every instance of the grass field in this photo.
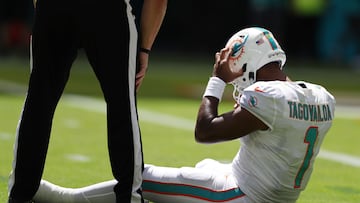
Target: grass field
(77, 153)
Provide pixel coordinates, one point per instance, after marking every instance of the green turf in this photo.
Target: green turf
(174, 88)
(78, 131)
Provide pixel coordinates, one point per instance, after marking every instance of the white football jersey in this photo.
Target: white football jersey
(275, 165)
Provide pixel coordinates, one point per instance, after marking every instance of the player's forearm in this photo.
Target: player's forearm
(153, 13)
(207, 113)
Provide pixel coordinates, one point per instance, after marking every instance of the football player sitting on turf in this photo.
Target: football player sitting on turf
(281, 125)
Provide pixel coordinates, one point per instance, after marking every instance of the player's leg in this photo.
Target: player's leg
(211, 181)
(191, 185)
(52, 56)
(111, 50)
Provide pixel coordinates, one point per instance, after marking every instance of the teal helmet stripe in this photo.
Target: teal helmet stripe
(191, 191)
(272, 42)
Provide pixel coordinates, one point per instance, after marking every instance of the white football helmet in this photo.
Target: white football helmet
(252, 48)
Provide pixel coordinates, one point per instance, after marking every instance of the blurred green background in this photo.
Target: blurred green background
(321, 30)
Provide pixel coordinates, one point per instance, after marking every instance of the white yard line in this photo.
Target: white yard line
(340, 158)
(350, 112)
(97, 105)
(5, 136)
(78, 158)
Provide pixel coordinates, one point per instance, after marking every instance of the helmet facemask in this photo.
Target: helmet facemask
(242, 82)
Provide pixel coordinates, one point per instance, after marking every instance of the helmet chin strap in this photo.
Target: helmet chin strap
(238, 89)
(236, 92)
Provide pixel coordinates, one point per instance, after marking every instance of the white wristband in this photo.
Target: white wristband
(215, 88)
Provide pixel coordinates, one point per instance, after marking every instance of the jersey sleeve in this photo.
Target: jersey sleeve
(260, 100)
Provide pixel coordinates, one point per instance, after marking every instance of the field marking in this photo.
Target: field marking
(78, 158)
(349, 112)
(5, 136)
(340, 157)
(97, 105)
(12, 87)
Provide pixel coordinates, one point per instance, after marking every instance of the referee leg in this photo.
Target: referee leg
(53, 51)
(111, 50)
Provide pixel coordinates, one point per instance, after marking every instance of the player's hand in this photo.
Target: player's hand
(222, 66)
(142, 68)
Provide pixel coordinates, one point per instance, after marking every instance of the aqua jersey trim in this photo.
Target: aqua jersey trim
(177, 189)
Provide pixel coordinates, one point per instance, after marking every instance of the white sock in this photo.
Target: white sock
(97, 193)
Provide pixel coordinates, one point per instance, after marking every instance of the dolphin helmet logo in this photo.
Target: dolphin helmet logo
(237, 47)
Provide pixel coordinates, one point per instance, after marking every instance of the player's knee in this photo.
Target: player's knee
(195, 175)
(206, 163)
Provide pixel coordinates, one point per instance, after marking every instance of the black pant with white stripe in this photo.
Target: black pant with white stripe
(106, 31)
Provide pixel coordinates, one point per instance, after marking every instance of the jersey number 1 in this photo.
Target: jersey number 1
(310, 140)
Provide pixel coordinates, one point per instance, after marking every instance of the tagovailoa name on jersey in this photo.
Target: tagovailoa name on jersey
(309, 112)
